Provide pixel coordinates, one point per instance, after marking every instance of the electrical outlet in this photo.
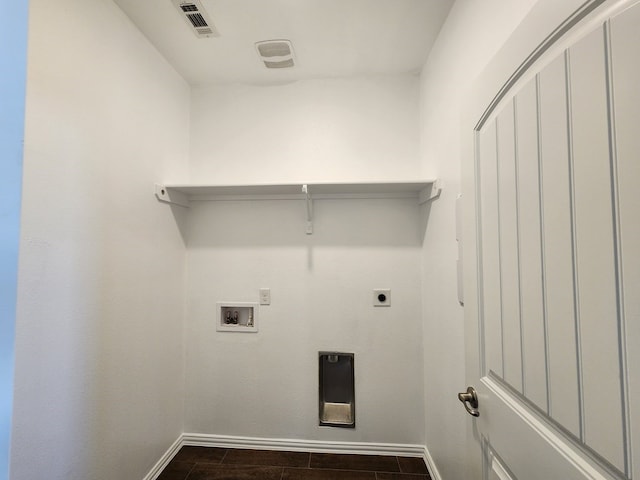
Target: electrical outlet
(265, 296)
(381, 297)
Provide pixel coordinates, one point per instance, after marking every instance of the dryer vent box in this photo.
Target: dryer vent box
(337, 406)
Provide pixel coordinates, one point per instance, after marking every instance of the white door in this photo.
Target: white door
(551, 189)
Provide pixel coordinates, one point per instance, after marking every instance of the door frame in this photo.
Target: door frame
(13, 58)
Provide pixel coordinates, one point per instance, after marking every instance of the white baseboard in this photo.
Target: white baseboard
(431, 465)
(316, 446)
(164, 460)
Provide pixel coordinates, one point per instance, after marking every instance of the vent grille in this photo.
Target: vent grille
(197, 18)
(284, 64)
(276, 49)
(276, 53)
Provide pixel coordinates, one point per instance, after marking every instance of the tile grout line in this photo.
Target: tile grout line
(224, 456)
(190, 470)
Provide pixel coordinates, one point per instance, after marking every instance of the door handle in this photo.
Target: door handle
(470, 401)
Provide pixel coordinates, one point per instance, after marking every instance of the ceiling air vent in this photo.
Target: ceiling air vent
(276, 53)
(197, 18)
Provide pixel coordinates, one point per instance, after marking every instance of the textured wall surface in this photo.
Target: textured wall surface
(99, 371)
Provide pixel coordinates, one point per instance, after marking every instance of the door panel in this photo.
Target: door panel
(529, 446)
(557, 236)
(625, 98)
(556, 217)
(496, 469)
(534, 328)
(491, 281)
(508, 248)
(597, 312)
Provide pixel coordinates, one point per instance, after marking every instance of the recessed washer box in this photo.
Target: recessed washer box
(237, 317)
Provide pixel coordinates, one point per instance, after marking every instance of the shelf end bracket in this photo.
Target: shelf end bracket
(168, 195)
(429, 194)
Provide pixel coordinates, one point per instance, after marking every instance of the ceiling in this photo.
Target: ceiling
(331, 38)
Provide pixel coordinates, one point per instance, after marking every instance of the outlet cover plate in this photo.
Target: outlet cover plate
(265, 296)
(381, 297)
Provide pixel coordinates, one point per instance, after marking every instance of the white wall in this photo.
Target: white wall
(472, 34)
(99, 357)
(13, 48)
(102, 264)
(265, 385)
(316, 130)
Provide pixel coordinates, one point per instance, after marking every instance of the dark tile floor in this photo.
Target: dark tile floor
(209, 463)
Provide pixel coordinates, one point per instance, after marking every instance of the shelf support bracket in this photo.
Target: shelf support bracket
(305, 190)
(429, 194)
(167, 195)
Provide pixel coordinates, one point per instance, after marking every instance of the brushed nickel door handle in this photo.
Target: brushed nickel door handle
(470, 401)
